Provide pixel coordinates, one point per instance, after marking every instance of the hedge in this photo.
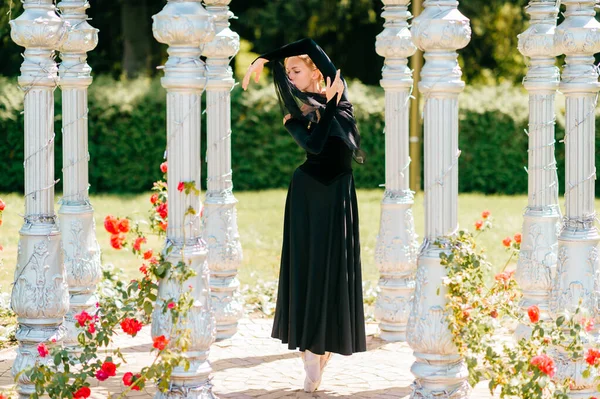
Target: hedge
(127, 137)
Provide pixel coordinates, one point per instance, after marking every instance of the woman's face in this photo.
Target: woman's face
(300, 74)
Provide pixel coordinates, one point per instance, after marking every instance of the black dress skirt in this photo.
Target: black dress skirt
(320, 302)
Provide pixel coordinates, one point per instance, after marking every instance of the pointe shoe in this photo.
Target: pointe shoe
(324, 360)
(310, 385)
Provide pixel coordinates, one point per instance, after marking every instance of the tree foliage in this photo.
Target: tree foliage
(346, 29)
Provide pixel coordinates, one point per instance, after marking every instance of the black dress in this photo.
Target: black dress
(319, 300)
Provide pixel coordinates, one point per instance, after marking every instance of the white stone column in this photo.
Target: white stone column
(40, 294)
(537, 258)
(81, 249)
(578, 37)
(220, 215)
(397, 247)
(185, 25)
(439, 31)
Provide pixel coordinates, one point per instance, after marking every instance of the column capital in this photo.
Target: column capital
(578, 37)
(395, 44)
(40, 30)
(80, 37)
(222, 48)
(185, 26)
(440, 31)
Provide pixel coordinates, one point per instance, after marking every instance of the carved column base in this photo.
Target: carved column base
(195, 382)
(576, 269)
(576, 284)
(396, 257)
(439, 370)
(536, 266)
(224, 257)
(438, 377)
(78, 303)
(582, 388)
(188, 392)
(40, 295)
(29, 337)
(393, 306)
(228, 306)
(82, 265)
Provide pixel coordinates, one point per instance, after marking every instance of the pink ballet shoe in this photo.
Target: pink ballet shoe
(310, 385)
(324, 360)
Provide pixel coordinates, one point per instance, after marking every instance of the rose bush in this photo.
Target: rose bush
(479, 316)
(124, 307)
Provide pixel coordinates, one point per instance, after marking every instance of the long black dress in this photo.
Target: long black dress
(319, 301)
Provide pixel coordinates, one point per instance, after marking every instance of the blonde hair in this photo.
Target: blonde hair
(309, 63)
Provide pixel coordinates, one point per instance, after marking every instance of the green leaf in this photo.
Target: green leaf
(148, 308)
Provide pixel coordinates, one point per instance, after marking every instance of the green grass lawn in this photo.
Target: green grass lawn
(260, 218)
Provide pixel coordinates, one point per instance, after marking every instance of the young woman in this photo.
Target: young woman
(319, 302)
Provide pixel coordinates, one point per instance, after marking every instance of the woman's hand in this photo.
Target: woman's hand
(337, 87)
(256, 67)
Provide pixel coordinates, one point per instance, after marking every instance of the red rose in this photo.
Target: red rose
(163, 226)
(131, 326)
(534, 313)
(504, 276)
(181, 186)
(137, 244)
(154, 198)
(485, 214)
(160, 343)
(592, 357)
(101, 375)
(588, 324)
(478, 224)
(92, 328)
(2, 205)
(109, 368)
(116, 241)
(162, 210)
(83, 318)
(544, 363)
(144, 269)
(506, 242)
(128, 378)
(82, 393)
(42, 350)
(494, 313)
(163, 167)
(153, 261)
(171, 305)
(148, 254)
(517, 238)
(123, 225)
(111, 224)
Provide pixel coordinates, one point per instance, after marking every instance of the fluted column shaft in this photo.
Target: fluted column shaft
(396, 248)
(40, 295)
(537, 258)
(439, 31)
(220, 215)
(576, 281)
(81, 249)
(185, 26)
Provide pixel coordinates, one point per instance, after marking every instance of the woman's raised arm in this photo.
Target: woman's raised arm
(308, 47)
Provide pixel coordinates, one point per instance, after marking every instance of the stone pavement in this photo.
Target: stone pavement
(253, 365)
